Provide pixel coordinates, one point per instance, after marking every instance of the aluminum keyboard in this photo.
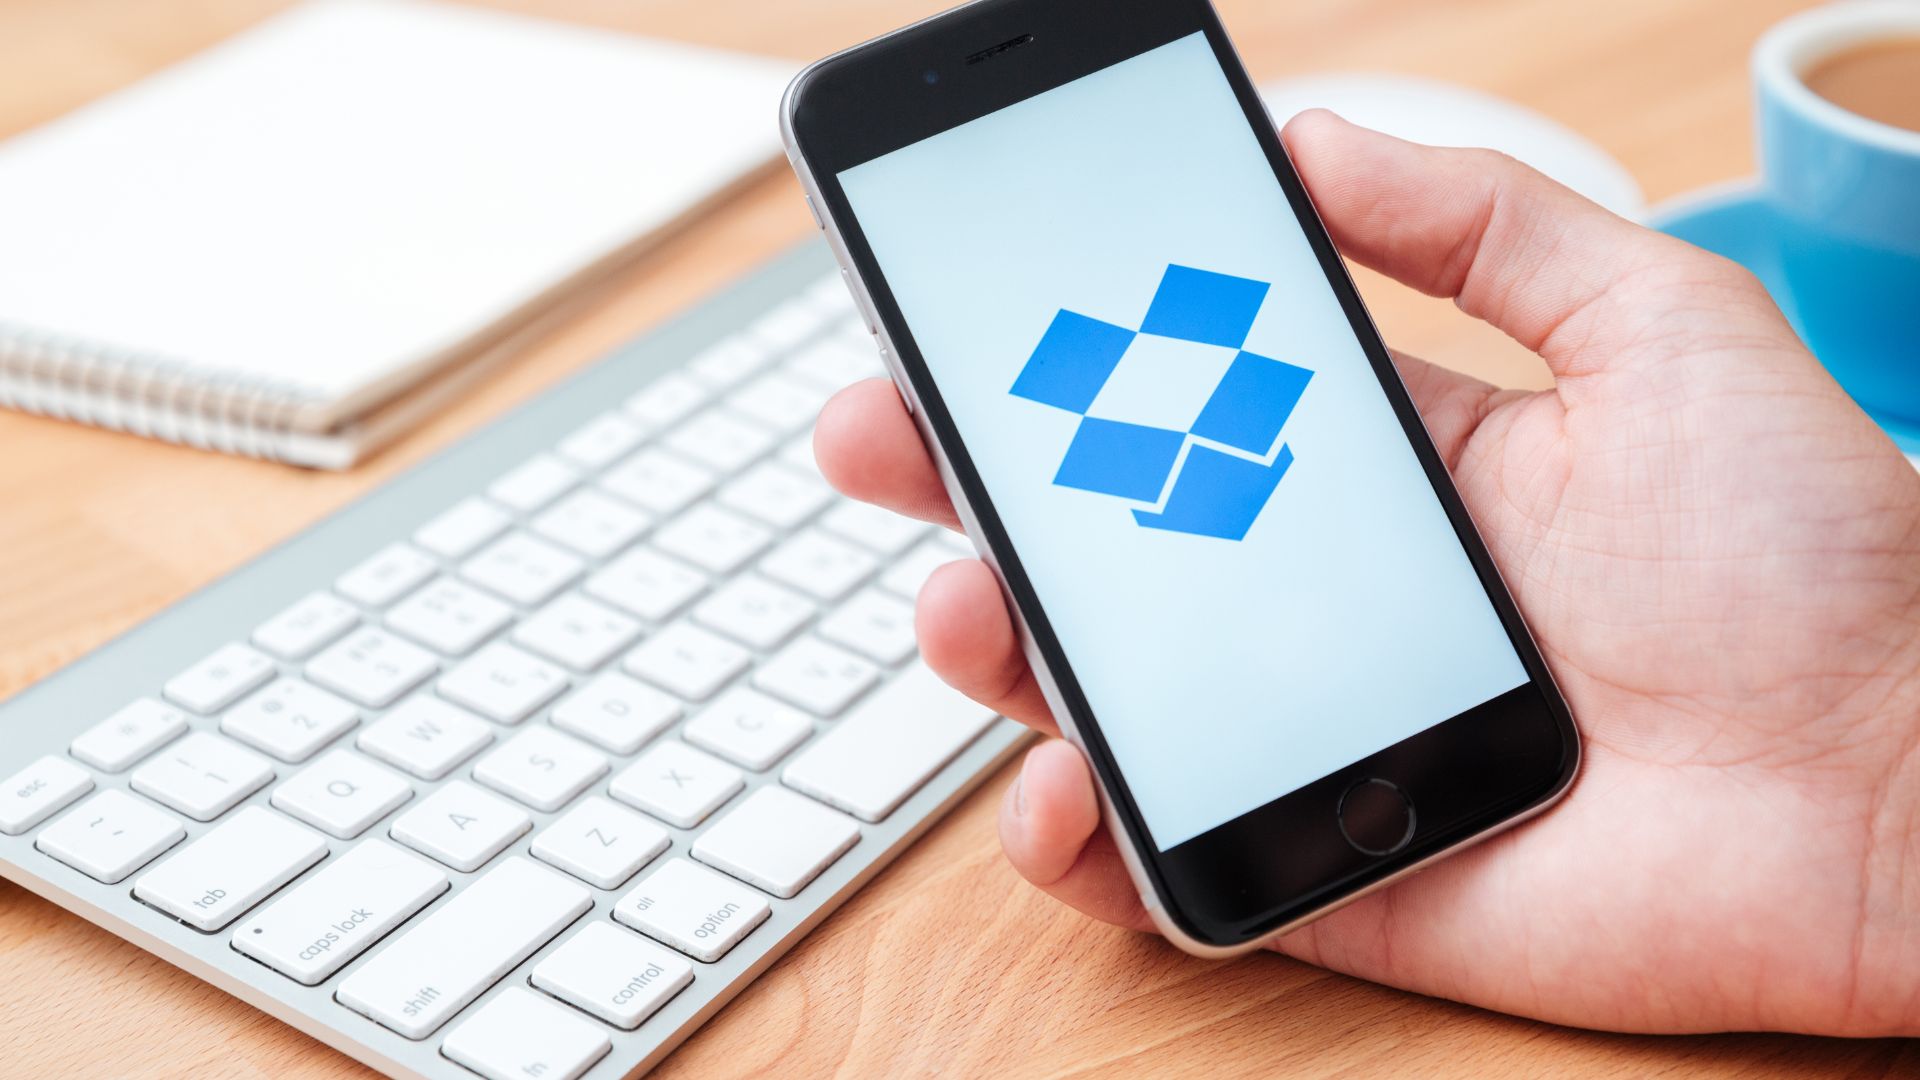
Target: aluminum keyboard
(530, 760)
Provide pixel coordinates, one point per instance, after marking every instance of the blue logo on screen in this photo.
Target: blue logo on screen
(1216, 409)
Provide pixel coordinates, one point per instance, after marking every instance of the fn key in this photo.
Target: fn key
(520, 1034)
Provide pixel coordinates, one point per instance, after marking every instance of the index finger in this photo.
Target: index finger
(868, 448)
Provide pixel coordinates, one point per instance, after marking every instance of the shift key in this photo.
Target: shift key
(448, 959)
(332, 917)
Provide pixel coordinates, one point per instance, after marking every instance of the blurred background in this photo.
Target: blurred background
(113, 528)
(1660, 85)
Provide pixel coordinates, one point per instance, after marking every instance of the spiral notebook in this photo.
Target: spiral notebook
(297, 243)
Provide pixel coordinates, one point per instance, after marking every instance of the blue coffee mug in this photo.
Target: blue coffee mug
(1845, 193)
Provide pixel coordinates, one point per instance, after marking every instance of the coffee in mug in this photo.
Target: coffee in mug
(1879, 80)
(1839, 103)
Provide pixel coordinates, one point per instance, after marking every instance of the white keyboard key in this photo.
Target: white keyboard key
(875, 624)
(202, 776)
(129, 735)
(39, 791)
(788, 324)
(776, 494)
(720, 440)
(290, 719)
(386, 575)
(577, 632)
(312, 621)
(880, 753)
(777, 840)
(461, 825)
(335, 915)
(755, 611)
(522, 569)
(426, 736)
(906, 577)
(856, 330)
(220, 679)
(520, 1034)
(873, 527)
(717, 540)
(502, 683)
(647, 583)
(834, 363)
(463, 527)
(600, 843)
(372, 666)
(238, 863)
(677, 784)
(726, 363)
(342, 794)
(110, 836)
(748, 728)
(658, 481)
(829, 295)
(692, 909)
(455, 952)
(687, 661)
(541, 768)
(617, 713)
(535, 484)
(797, 454)
(666, 401)
(820, 678)
(614, 974)
(601, 441)
(591, 523)
(779, 401)
(819, 565)
(449, 616)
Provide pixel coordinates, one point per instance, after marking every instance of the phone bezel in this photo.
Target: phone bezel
(1500, 761)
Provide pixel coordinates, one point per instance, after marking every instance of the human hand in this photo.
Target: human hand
(1720, 557)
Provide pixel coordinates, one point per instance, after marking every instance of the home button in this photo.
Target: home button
(1376, 817)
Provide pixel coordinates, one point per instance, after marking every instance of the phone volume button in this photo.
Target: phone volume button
(815, 211)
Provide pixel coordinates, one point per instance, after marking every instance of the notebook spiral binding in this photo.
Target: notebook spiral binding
(146, 394)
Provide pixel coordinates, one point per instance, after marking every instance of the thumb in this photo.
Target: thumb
(1564, 277)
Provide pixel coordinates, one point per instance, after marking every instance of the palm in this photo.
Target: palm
(1720, 558)
(1701, 544)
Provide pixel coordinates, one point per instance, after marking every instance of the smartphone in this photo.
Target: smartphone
(1239, 569)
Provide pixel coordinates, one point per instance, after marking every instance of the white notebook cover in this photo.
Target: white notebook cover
(299, 223)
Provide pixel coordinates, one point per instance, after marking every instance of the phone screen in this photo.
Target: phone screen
(1239, 553)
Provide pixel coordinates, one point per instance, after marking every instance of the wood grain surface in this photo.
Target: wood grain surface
(948, 963)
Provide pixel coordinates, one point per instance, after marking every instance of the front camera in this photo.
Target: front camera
(930, 76)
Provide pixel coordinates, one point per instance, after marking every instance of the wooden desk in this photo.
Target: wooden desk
(948, 963)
